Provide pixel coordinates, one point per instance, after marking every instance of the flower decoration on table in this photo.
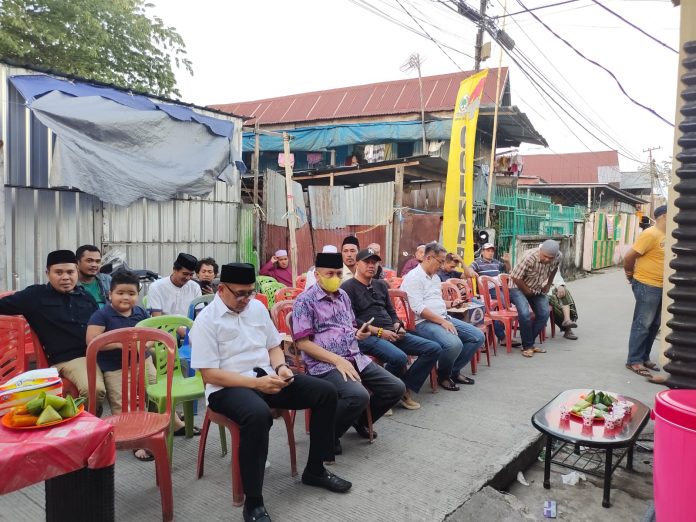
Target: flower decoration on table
(43, 410)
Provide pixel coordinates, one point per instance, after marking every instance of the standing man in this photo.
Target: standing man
(236, 347)
(324, 329)
(389, 342)
(279, 268)
(59, 312)
(531, 281)
(458, 340)
(172, 295)
(349, 252)
(414, 261)
(644, 267)
(88, 265)
(206, 272)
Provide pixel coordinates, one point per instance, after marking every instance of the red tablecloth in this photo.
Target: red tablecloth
(31, 456)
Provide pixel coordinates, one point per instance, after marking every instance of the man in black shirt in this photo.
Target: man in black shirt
(58, 312)
(389, 342)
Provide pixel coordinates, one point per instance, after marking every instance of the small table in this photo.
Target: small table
(572, 431)
(76, 461)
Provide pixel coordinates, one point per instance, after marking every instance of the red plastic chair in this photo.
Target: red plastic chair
(136, 427)
(301, 281)
(12, 360)
(29, 351)
(388, 273)
(262, 298)
(404, 312)
(395, 282)
(287, 294)
(505, 314)
(221, 420)
(505, 281)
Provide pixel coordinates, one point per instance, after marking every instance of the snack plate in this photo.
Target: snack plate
(6, 423)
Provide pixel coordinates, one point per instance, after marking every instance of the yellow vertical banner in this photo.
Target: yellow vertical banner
(458, 214)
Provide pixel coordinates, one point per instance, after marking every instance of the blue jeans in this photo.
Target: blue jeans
(646, 321)
(457, 350)
(393, 355)
(540, 305)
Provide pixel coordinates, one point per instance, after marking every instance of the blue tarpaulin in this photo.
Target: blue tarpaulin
(332, 136)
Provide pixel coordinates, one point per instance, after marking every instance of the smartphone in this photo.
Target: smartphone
(366, 324)
(401, 328)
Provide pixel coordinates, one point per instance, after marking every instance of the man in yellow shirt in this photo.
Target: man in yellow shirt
(644, 267)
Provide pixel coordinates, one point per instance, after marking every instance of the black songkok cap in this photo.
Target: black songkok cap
(60, 256)
(328, 260)
(238, 273)
(187, 261)
(351, 240)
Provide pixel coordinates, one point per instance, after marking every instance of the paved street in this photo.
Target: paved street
(425, 463)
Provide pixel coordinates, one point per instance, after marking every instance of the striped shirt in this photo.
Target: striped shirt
(533, 272)
(492, 269)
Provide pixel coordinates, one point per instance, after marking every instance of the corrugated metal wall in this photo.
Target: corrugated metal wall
(152, 233)
(338, 207)
(277, 237)
(38, 221)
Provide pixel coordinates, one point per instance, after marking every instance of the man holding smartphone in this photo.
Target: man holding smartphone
(237, 349)
(325, 330)
(206, 272)
(389, 342)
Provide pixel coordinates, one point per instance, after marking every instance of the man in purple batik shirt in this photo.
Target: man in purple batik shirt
(324, 328)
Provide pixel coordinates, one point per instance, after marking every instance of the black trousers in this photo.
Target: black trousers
(251, 410)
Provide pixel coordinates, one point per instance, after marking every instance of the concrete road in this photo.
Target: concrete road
(425, 463)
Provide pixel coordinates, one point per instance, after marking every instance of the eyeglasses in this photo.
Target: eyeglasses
(439, 262)
(241, 295)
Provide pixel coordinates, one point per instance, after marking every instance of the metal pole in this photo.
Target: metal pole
(257, 214)
(479, 36)
(422, 106)
(396, 223)
(291, 206)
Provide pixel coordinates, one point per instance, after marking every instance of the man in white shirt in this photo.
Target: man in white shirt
(349, 253)
(459, 340)
(237, 349)
(172, 295)
(565, 313)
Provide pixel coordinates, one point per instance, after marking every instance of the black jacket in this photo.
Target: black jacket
(59, 320)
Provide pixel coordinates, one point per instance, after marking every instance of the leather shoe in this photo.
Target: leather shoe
(257, 514)
(326, 480)
(364, 432)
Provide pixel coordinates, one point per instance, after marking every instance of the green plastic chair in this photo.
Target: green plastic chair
(185, 390)
(262, 280)
(269, 290)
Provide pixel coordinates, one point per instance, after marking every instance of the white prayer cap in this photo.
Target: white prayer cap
(329, 249)
(281, 253)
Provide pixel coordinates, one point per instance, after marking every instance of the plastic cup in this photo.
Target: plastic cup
(588, 417)
(565, 413)
(609, 421)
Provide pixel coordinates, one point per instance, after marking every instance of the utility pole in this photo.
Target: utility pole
(653, 175)
(479, 36)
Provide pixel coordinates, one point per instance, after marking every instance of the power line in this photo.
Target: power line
(534, 9)
(617, 15)
(593, 62)
(428, 34)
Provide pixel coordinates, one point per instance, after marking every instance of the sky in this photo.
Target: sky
(264, 48)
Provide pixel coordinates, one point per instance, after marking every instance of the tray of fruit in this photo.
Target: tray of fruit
(43, 411)
(600, 403)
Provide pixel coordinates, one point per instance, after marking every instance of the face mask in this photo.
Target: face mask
(330, 284)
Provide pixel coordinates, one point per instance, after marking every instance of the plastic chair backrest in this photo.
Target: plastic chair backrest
(279, 314)
(145, 302)
(450, 292)
(264, 280)
(463, 287)
(204, 299)
(395, 282)
(388, 273)
(301, 281)
(286, 294)
(169, 324)
(399, 300)
(504, 285)
(134, 349)
(12, 340)
(262, 298)
(270, 290)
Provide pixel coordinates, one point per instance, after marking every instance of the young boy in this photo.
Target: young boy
(120, 312)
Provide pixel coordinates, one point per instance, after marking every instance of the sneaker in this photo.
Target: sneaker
(409, 403)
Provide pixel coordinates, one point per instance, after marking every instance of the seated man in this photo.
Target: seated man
(236, 347)
(459, 340)
(389, 342)
(565, 314)
(58, 312)
(279, 268)
(531, 281)
(414, 261)
(324, 328)
(88, 265)
(172, 295)
(449, 268)
(311, 277)
(377, 248)
(487, 265)
(206, 272)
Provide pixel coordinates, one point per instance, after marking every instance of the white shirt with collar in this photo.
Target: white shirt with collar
(424, 291)
(164, 296)
(347, 274)
(231, 341)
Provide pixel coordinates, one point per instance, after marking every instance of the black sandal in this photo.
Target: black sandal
(147, 458)
(461, 379)
(641, 370)
(448, 384)
(181, 432)
(651, 366)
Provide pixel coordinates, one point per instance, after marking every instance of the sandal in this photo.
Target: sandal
(461, 379)
(528, 352)
(181, 432)
(651, 366)
(448, 384)
(538, 350)
(147, 458)
(641, 370)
